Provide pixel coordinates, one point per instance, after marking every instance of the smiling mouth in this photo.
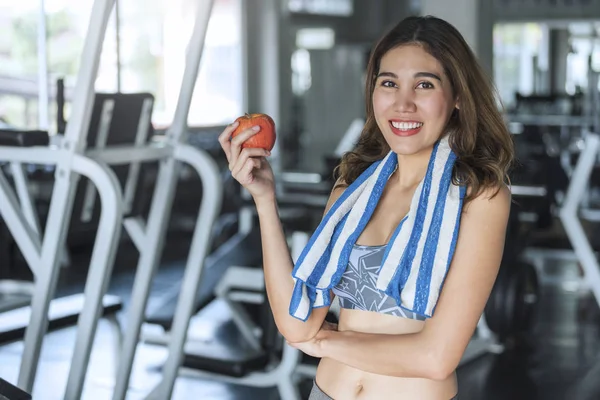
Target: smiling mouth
(408, 128)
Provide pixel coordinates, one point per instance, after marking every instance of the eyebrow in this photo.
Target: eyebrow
(417, 75)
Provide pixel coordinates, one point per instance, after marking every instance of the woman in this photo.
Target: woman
(400, 337)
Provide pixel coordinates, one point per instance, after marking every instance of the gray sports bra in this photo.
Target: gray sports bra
(357, 289)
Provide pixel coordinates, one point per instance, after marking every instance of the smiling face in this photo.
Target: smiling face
(412, 99)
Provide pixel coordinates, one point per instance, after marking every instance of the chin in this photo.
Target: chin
(407, 148)
(409, 145)
(404, 151)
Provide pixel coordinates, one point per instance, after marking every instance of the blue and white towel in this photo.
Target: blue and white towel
(419, 253)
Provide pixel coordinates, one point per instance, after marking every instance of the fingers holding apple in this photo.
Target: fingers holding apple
(236, 145)
(242, 166)
(225, 139)
(246, 143)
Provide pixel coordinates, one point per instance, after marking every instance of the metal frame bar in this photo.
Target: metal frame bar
(60, 206)
(67, 160)
(21, 184)
(248, 279)
(72, 160)
(211, 205)
(120, 155)
(152, 242)
(154, 234)
(134, 168)
(569, 213)
(135, 228)
(24, 234)
(30, 155)
(106, 115)
(282, 375)
(101, 265)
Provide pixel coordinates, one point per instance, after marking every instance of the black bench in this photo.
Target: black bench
(10, 392)
(23, 138)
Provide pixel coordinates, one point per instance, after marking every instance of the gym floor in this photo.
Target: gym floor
(561, 363)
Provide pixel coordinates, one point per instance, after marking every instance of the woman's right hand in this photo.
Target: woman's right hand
(248, 166)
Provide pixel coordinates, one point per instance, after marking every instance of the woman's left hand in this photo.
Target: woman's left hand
(313, 346)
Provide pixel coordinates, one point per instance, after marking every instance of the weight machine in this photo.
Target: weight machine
(567, 137)
(72, 158)
(570, 213)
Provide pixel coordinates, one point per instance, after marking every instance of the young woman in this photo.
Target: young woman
(414, 230)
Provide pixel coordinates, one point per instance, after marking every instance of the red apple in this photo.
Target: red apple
(265, 138)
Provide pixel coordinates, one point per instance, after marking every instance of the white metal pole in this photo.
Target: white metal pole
(24, 234)
(192, 67)
(100, 270)
(570, 218)
(161, 203)
(212, 191)
(61, 204)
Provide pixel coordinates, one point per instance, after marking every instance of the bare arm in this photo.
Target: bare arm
(278, 265)
(251, 169)
(436, 351)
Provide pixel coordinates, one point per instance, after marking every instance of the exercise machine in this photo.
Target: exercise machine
(96, 157)
(570, 214)
(11, 392)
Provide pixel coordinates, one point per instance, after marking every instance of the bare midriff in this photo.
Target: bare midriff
(342, 382)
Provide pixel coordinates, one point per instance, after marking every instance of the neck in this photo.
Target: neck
(411, 168)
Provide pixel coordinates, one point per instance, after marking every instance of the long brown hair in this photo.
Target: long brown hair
(477, 132)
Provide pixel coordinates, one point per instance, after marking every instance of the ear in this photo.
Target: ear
(457, 104)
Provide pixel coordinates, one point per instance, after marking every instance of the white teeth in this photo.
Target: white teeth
(404, 126)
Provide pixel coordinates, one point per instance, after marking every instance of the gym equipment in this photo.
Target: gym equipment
(553, 146)
(257, 356)
(510, 309)
(10, 392)
(260, 358)
(73, 156)
(115, 119)
(150, 240)
(565, 155)
(569, 213)
(43, 256)
(241, 249)
(62, 312)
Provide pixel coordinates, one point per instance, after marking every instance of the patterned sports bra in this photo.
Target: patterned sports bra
(357, 289)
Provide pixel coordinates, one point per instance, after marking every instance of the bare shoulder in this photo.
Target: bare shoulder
(494, 200)
(485, 217)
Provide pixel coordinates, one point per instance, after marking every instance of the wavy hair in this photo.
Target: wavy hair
(477, 132)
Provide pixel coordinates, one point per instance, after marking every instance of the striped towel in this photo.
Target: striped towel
(419, 253)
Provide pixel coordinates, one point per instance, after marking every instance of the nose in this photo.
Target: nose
(405, 101)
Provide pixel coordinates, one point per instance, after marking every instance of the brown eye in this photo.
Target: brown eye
(425, 85)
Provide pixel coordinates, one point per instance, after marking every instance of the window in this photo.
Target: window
(516, 47)
(67, 24)
(584, 49)
(153, 40)
(150, 56)
(18, 63)
(326, 7)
